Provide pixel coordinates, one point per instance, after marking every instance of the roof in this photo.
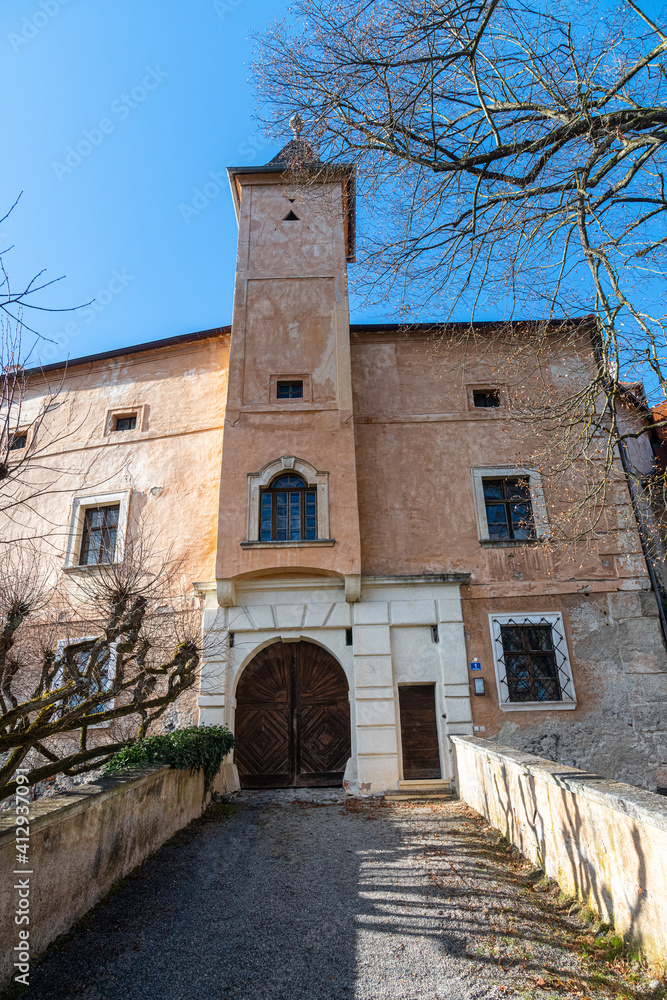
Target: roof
(151, 345)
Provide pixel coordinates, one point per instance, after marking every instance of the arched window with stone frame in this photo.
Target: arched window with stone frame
(288, 504)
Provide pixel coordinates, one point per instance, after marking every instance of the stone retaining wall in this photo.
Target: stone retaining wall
(84, 841)
(603, 841)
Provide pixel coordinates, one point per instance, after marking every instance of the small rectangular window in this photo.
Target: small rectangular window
(348, 636)
(290, 390)
(125, 423)
(98, 539)
(18, 442)
(509, 512)
(486, 398)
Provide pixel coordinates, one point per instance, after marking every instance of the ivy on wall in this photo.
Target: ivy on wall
(196, 747)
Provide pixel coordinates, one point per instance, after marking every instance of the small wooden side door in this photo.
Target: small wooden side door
(419, 732)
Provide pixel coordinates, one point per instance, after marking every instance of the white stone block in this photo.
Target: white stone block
(413, 613)
(372, 670)
(377, 739)
(415, 656)
(317, 614)
(239, 621)
(340, 617)
(373, 693)
(371, 613)
(262, 616)
(211, 717)
(372, 640)
(453, 654)
(377, 774)
(214, 619)
(212, 677)
(289, 615)
(376, 713)
(211, 701)
(449, 609)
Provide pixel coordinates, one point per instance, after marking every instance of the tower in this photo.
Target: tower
(289, 407)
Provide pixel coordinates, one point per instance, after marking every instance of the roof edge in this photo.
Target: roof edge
(151, 345)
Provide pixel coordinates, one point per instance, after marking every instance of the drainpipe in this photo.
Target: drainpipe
(642, 535)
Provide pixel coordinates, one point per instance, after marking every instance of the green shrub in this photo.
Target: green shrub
(197, 747)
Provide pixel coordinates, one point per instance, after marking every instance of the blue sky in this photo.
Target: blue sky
(114, 116)
(118, 121)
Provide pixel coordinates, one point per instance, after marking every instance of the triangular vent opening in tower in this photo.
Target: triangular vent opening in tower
(291, 217)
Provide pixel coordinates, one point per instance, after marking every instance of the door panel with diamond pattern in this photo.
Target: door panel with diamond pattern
(292, 718)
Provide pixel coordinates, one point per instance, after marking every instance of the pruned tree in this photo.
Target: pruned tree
(512, 156)
(82, 678)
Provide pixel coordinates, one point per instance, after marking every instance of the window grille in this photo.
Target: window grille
(289, 390)
(98, 539)
(126, 423)
(101, 677)
(288, 511)
(532, 661)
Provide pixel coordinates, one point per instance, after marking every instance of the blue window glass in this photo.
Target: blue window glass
(311, 515)
(281, 517)
(266, 511)
(288, 510)
(509, 513)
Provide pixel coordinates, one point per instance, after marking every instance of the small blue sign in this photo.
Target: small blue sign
(475, 665)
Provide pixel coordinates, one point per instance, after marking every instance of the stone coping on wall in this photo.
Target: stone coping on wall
(55, 808)
(637, 803)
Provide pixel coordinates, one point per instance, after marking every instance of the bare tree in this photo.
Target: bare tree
(511, 153)
(14, 302)
(31, 434)
(82, 678)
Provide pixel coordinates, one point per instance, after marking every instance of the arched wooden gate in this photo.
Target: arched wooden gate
(292, 718)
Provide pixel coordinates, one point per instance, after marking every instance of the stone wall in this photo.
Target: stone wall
(618, 727)
(82, 843)
(603, 841)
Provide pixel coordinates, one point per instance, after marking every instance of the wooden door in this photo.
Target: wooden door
(292, 718)
(419, 732)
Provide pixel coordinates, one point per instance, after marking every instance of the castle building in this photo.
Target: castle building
(367, 533)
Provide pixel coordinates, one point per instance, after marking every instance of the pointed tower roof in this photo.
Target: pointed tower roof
(297, 153)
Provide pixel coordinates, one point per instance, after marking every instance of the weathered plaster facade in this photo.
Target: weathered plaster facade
(401, 582)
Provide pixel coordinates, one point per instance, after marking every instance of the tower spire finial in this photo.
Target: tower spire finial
(296, 124)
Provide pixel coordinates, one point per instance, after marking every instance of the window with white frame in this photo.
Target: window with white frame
(97, 530)
(532, 662)
(509, 505)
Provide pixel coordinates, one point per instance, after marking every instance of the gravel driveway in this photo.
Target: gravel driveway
(273, 898)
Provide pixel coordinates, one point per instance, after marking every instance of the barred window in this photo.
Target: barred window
(98, 539)
(290, 390)
(102, 678)
(288, 510)
(532, 662)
